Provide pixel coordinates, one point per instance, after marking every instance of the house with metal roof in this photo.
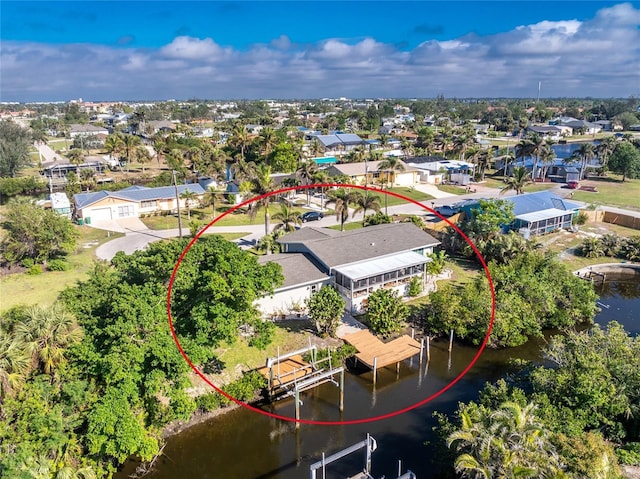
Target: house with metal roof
(542, 212)
(338, 143)
(133, 201)
(355, 262)
(369, 172)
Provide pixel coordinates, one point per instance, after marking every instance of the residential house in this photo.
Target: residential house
(356, 262)
(553, 132)
(369, 173)
(133, 201)
(338, 144)
(436, 169)
(542, 212)
(85, 130)
(302, 278)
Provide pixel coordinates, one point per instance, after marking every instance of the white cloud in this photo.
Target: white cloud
(597, 57)
(188, 48)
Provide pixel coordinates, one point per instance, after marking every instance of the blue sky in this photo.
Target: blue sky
(158, 50)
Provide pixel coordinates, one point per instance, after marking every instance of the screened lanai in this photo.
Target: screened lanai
(545, 221)
(357, 281)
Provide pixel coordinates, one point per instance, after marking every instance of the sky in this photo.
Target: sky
(155, 50)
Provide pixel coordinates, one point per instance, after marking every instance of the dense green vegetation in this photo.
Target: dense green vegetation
(34, 233)
(91, 381)
(558, 421)
(533, 292)
(611, 245)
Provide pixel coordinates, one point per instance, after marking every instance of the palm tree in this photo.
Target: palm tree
(321, 177)
(508, 443)
(390, 165)
(531, 146)
(76, 156)
(14, 364)
(407, 148)
(586, 152)
(46, 333)
(604, 150)
(520, 178)
(211, 195)
(288, 219)
(341, 198)
(547, 155)
(188, 196)
(261, 184)
(239, 139)
(364, 203)
(142, 156)
(306, 171)
(268, 140)
(114, 145)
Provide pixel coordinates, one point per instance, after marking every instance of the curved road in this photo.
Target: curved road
(138, 239)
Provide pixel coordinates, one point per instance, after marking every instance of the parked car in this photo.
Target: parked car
(572, 185)
(311, 216)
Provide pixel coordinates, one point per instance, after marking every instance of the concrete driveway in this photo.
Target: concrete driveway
(121, 225)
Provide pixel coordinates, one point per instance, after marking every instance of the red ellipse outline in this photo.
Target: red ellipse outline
(350, 421)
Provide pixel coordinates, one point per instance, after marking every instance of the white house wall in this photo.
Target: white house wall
(282, 301)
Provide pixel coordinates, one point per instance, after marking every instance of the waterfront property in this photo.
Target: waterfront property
(542, 212)
(356, 262)
(133, 201)
(375, 354)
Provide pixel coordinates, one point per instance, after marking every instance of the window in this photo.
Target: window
(148, 204)
(124, 211)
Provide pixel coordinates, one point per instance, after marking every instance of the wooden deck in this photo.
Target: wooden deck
(288, 370)
(371, 350)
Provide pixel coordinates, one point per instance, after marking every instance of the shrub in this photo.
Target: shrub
(211, 401)
(245, 388)
(27, 262)
(35, 269)
(58, 265)
(264, 331)
(629, 454)
(415, 287)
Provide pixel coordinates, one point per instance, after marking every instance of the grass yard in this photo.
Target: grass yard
(348, 226)
(611, 191)
(237, 218)
(454, 190)
(408, 192)
(44, 288)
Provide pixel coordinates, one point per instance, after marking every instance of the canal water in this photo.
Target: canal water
(244, 445)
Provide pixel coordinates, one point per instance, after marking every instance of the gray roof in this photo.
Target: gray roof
(340, 139)
(308, 233)
(366, 243)
(136, 193)
(297, 268)
(360, 168)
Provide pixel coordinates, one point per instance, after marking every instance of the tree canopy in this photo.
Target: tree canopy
(36, 233)
(14, 148)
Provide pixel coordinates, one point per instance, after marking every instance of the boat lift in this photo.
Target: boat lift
(370, 444)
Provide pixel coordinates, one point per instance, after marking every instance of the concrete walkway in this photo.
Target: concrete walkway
(349, 325)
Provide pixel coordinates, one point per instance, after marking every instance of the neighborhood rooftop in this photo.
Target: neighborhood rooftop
(542, 200)
(366, 243)
(136, 193)
(297, 268)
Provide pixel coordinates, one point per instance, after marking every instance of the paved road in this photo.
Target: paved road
(137, 239)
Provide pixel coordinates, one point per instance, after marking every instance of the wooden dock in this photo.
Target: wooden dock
(288, 370)
(375, 354)
(289, 375)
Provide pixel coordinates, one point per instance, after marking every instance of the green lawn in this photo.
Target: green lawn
(348, 226)
(408, 192)
(611, 191)
(240, 353)
(44, 288)
(237, 218)
(454, 190)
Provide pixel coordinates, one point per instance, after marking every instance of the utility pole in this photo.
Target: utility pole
(175, 185)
